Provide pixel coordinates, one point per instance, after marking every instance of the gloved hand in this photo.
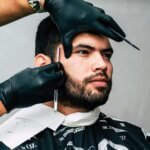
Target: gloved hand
(75, 16)
(31, 86)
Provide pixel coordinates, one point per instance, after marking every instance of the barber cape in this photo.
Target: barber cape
(40, 128)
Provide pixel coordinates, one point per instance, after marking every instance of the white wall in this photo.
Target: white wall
(130, 96)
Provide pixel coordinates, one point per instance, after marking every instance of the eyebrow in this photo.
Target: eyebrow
(109, 49)
(84, 46)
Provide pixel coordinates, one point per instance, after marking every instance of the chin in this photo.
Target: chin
(96, 91)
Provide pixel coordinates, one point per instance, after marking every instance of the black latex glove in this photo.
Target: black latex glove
(75, 16)
(31, 86)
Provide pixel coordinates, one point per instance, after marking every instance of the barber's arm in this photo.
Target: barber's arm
(11, 10)
(31, 86)
(2, 109)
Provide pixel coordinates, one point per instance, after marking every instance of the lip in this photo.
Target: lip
(99, 82)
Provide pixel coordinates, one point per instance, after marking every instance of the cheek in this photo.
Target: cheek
(109, 70)
(74, 66)
(76, 70)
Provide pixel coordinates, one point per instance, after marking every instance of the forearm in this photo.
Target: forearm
(2, 109)
(11, 10)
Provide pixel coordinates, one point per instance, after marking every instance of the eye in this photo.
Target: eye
(83, 52)
(107, 55)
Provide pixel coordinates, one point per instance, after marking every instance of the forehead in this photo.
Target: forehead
(97, 41)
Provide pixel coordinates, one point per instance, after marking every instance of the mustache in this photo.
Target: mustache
(101, 74)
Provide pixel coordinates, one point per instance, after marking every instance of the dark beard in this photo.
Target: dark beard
(76, 95)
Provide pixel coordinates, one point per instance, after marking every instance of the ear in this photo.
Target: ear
(41, 60)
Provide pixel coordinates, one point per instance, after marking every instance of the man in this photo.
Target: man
(89, 18)
(78, 124)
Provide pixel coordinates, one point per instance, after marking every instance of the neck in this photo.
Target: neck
(66, 110)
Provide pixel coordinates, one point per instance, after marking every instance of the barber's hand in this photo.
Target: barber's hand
(75, 16)
(31, 86)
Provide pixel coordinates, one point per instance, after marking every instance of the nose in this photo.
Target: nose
(99, 64)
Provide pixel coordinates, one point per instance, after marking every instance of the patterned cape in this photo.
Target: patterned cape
(105, 134)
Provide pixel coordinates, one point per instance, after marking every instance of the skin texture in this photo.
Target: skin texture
(90, 58)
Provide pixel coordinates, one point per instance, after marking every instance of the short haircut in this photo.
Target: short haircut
(47, 38)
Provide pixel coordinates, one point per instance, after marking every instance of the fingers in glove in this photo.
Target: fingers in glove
(89, 3)
(104, 30)
(53, 67)
(109, 21)
(99, 10)
(67, 43)
(112, 24)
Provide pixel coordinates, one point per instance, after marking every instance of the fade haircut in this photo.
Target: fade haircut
(47, 38)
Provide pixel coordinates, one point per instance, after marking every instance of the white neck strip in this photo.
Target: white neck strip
(82, 118)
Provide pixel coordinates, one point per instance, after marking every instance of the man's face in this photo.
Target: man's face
(89, 72)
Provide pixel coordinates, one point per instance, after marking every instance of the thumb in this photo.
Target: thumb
(67, 43)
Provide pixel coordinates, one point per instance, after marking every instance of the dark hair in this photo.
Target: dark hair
(47, 38)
